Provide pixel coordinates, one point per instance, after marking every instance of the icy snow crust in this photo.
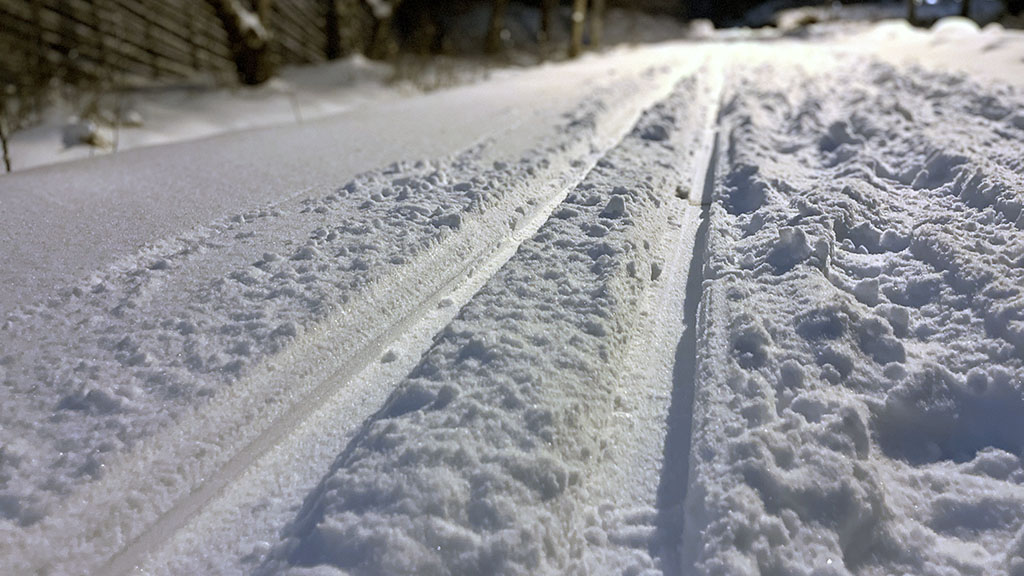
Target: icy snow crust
(859, 389)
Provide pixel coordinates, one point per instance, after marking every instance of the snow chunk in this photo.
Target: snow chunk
(87, 132)
(615, 208)
(790, 249)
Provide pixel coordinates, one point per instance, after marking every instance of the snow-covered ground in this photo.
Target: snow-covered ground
(744, 306)
(862, 328)
(102, 121)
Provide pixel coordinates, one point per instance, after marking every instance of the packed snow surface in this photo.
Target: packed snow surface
(732, 307)
(478, 462)
(860, 362)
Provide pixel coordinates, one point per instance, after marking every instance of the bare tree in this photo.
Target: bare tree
(579, 17)
(249, 37)
(382, 43)
(912, 12)
(965, 8)
(333, 47)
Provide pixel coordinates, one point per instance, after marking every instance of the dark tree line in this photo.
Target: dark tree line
(417, 25)
(421, 26)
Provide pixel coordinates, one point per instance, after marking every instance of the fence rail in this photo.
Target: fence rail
(132, 41)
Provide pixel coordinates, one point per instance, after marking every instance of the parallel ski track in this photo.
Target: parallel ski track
(335, 386)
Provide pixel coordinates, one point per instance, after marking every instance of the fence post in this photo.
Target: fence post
(193, 43)
(147, 35)
(596, 22)
(333, 31)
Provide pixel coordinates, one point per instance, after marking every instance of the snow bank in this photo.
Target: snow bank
(860, 364)
(990, 54)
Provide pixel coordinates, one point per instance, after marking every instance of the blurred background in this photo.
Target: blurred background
(86, 58)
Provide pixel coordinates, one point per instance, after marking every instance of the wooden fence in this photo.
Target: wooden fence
(131, 41)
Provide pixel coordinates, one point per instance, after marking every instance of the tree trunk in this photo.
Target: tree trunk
(596, 22)
(579, 16)
(547, 12)
(912, 12)
(263, 11)
(379, 40)
(965, 8)
(248, 38)
(382, 43)
(495, 28)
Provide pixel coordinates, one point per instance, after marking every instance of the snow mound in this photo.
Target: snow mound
(953, 26)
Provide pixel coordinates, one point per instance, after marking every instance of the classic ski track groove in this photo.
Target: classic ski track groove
(674, 539)
(336, 386)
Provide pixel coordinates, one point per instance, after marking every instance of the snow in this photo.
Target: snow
(990, 54)
(144, 344)
(475, 463)
(859, 355)
(150, 116)
(726, 307)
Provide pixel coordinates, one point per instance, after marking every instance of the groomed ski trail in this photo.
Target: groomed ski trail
(226, 438)
(551, 482)
(722, 321)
